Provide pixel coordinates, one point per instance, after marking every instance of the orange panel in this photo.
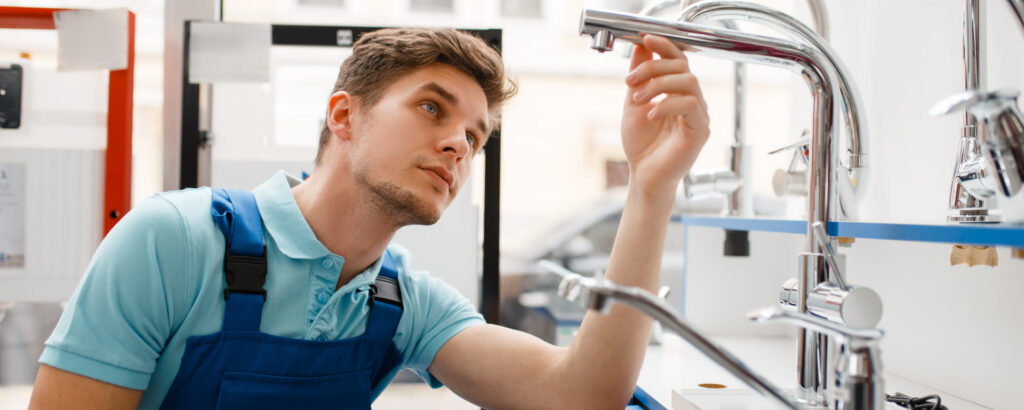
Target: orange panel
(26, 17)
(118, 176)
(117, 191)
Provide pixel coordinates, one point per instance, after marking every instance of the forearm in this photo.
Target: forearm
(608, 350)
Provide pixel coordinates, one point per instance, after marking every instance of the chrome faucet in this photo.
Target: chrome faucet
(858, 381)
(735, 182)
(598, 294)
(990, 157)
(852, 168)
(822, 71)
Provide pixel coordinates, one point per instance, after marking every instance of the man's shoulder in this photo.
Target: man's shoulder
(187, 201)
(181, 215)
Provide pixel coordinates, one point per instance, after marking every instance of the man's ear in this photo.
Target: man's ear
(339, 114)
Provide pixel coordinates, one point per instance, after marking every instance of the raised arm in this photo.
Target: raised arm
(501, 368)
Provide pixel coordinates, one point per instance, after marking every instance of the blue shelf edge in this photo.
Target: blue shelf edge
(981, 235)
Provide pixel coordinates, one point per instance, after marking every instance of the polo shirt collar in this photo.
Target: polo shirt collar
(294, 237)
(283, 220)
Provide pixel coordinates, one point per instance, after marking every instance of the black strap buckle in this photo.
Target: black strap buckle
(245, 274)
(386, 290)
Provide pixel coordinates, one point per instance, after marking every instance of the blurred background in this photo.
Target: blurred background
(563, 171)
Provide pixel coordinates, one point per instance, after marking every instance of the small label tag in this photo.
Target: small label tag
(344, 37)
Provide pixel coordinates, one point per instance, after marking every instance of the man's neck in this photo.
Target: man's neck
(345, 222)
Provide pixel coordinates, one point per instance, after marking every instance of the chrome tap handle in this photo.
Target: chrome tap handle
(801, 144)
(956, 102)
(814, 323)
(821, 237)
(859, 383)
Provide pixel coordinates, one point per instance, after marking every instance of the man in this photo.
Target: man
(410, 110)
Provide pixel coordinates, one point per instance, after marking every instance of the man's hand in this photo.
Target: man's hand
(662, 138)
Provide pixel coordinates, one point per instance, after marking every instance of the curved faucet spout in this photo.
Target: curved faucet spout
(851, 185)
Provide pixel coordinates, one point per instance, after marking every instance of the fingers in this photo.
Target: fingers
(663, 47)
(672, 84)
(654, 68)
(640, 55)
(687, 106)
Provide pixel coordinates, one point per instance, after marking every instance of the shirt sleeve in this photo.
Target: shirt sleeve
(437, 313)
(117, 321)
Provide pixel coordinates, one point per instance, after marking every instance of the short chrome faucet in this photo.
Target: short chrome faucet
(990, 157)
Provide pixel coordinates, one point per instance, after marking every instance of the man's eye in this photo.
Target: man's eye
(430, 108)
(471, 139)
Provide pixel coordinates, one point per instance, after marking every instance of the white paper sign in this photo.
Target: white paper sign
(12, 215)
(228, 52)
(92, 39)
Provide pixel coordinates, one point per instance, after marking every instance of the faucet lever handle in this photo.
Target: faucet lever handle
(956, 102)
(814, 323)
(803, 141)
(821, 237)
(972, 98)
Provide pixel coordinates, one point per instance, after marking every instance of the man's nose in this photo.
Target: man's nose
(455, 142)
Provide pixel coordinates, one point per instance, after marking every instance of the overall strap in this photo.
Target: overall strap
(245, 260)
(385, 313)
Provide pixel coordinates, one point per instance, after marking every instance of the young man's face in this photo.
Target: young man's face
(413, 149)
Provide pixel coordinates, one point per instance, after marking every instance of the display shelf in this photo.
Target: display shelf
(980, 235)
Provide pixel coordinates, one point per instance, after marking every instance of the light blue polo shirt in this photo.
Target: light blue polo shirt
(158, 279)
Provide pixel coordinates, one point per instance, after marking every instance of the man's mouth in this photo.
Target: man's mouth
(441, 174)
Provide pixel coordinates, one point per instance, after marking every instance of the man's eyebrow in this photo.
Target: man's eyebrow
(447, 96)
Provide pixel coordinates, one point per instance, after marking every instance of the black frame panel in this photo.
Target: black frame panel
(327, 36)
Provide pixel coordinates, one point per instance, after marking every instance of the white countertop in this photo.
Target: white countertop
(674, 369)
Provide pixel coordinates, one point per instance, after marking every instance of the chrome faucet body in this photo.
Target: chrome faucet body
(987, 163)
(852, 175)
(736, 182)
(822, 72)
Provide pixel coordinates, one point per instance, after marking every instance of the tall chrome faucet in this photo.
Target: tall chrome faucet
(822, 72)
(736, 181)
(990, 157)
(851, 170)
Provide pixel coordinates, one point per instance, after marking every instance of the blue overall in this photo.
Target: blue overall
(242, 368)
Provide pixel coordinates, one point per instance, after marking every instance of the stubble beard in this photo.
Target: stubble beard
(398, 203)
(394, 201)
